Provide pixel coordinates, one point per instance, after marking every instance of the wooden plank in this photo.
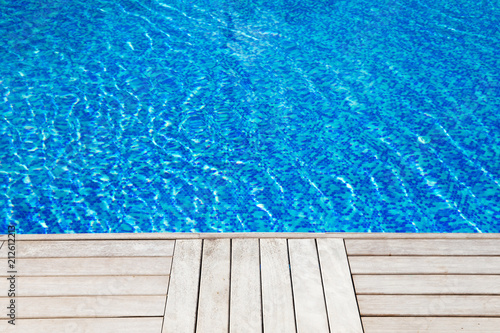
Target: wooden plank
(341, 303)
(100, 248)
(245, 307)
(182, 300)
(88, 306)
(310, 309)
(213, 305)
(427, 284)
(277, 303)
(184, 235)
(413, 305)
(424, 265)
(82, 325)
(417, 247)
(429, 324)
(88, 286)
(93, 266)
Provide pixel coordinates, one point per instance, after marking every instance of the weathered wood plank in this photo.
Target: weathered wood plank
(424, 265)
(413, 305)
(429, 324)
(427, 284)
(182, 300)
(88, 285)
(277, 299)
(102, 248)
(93, 266)
(430, 247)
(83, 325)
(341, 303)
(310, 309)
(88, 306)
(245, 307)
(213, 305)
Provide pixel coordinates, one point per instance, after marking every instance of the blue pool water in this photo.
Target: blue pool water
(219, 116)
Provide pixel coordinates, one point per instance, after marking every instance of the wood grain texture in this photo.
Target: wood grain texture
(423, 265)
(85, 325)
(418, 305)
(93, 266)
(87, 249)
(213, 305)
(430, 324)
(89, 285)
(89, 306)
(341, 303)
(182, 300)
(408, 283)
(429, 247)
(245, 307)
(277, 302)
(310, 309)
(427, 284)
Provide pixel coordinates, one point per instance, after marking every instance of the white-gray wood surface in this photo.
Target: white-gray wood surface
(340, 297)
(92, 248)
(246, 301)
(277, 300)
(89, 285)
(309, 300)
(430, 324)
(84, 325)
(182, 300)
(427, 284)
(256, 283)
(213, 303)
(424, 265)
(428, 247)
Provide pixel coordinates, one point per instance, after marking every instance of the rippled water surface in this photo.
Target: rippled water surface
(218, 116)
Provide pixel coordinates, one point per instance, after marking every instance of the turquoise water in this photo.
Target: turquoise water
(219, 116)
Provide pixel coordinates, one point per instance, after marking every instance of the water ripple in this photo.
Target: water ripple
(152, 116)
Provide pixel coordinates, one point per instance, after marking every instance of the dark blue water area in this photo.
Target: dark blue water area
(240, 116)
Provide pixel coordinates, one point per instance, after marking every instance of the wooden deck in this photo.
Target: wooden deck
(214, 283)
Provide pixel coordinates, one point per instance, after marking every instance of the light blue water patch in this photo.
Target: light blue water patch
(220, 116)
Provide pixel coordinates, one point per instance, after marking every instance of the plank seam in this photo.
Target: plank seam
(352, 282)
(424, 255)
(399, 294)
(106, 295)
(291, 284)
(103, 275)
(426, 273)
(107, 317)
(424, 316)
(230, 272)
(168, 286)
(199, 286)
(261, 296)
(94, 275)
(322, 284)
(97, 257)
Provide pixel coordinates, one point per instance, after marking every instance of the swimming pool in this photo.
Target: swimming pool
(221, 116)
